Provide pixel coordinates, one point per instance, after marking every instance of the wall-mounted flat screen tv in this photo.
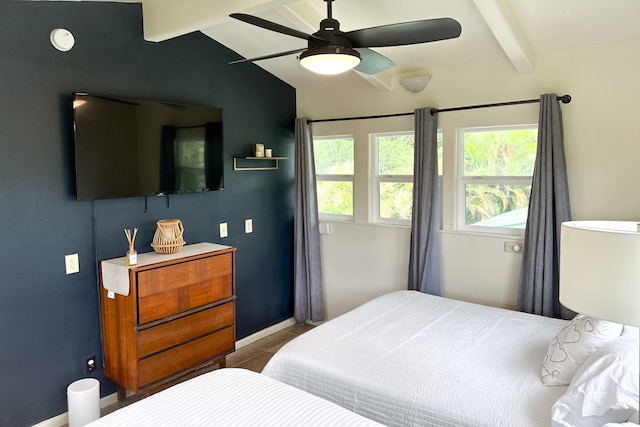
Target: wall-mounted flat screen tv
(134, 147)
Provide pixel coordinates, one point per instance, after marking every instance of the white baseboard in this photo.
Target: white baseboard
(63, 419)
(264, 332)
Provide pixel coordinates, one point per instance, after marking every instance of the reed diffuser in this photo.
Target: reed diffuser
(132, 255)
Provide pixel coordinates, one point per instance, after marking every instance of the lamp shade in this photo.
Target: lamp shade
(329, 59)
(600, 269)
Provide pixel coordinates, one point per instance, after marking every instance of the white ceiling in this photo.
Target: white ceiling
(514, 30)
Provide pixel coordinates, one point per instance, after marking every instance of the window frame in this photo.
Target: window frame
(375, 180)
(462, 181)
(337, 178)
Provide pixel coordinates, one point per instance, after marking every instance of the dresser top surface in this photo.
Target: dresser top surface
(115, 272)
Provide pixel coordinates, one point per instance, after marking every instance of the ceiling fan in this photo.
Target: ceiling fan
(331, 51)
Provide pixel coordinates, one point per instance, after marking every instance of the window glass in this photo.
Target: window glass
(395, 154)
(334, 162)
(396, 200)
(333, 156)
(497, 172)
(392, 196)
(335, 197)
(501, 152)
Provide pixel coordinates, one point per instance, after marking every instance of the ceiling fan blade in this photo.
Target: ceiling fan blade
(274, 55)
(268, 25)
(405, 33)
(372, 62)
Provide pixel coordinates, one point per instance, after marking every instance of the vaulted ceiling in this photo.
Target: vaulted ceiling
(515, 30)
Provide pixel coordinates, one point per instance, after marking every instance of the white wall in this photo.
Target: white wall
(361, 261)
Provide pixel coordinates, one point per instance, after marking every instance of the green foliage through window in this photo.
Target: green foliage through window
(334, 162)
(333, 156)
(395, 155)
(497, 171)
(396, 200)
(335, 197)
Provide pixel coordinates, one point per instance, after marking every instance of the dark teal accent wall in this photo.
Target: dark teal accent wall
(50, 321)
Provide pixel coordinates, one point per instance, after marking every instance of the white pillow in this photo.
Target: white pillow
(604, 389)
(571, 347)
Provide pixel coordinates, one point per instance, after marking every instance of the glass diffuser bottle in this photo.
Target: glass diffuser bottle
(132, 255)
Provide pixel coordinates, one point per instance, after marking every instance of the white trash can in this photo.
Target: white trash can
(83, 402)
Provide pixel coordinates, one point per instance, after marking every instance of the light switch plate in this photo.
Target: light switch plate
(223, 230)
(248, 225)
(71, 263)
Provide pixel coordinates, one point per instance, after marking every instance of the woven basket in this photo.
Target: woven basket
(168, 238)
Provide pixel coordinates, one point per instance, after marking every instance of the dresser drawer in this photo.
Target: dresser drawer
(185, 329)
(169, 362)
(172, 289)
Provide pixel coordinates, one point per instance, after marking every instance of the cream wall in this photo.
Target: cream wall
(361, 260)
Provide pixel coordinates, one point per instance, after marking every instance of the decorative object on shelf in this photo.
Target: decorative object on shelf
(268, 152)
(415, 84)
(168, 238)
(259, 150)
(132, 255)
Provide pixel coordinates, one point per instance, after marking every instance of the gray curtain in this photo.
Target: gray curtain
(538, 290)
(424, 255)
(308, 295)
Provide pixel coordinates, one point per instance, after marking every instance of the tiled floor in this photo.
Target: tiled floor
(256, 355)
(253, 356)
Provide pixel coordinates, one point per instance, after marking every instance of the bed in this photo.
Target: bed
(408, 358)
(232, 397)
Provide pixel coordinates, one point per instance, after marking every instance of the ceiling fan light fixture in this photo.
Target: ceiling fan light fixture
(330, 59)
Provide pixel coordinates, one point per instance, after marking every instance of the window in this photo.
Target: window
(334, 176)
(495, 177)
(392, 190)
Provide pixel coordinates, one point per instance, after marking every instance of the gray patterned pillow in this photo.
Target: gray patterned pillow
(571, 347)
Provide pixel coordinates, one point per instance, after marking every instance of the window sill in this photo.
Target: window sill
(515, 235)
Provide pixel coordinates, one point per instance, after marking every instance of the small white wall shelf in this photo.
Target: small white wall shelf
(273, 164)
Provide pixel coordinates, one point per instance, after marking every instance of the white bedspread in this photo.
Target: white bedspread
(232, 397)
(408, 358)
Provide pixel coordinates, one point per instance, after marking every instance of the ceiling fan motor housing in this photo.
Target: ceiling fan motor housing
(329, 34)
(329, 50)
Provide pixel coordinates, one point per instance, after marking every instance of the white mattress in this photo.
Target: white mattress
(232, 397)
(408, 358)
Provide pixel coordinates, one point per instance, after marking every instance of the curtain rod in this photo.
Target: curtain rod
(565, 99)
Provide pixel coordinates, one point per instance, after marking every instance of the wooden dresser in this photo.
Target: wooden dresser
(167, 316)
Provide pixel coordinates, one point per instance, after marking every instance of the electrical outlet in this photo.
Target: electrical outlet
(223, 230)
(90, 364)
(248, 225)
(71, 263)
